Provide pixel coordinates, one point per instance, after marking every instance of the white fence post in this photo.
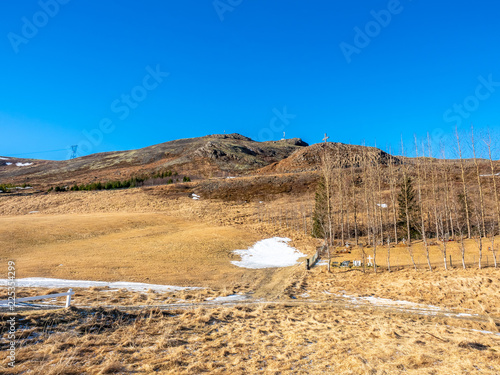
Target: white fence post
(68, 298)
(68, 295)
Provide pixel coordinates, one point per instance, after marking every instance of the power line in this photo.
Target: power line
(39, 152)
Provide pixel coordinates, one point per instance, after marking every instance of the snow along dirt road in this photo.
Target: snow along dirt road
(342, 301)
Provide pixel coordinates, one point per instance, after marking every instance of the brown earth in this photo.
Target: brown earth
(309, 158)
(196, 157)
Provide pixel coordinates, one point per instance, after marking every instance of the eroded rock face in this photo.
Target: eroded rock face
(210, 150)
(235, 136)
(297, 142)
(232, 153)
(309, 158)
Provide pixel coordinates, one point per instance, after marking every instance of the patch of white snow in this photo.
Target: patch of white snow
(231, 298)
(41, 282)
(268, 253)
(384, 302)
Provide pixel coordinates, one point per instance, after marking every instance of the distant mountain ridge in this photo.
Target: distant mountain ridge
(202, 156)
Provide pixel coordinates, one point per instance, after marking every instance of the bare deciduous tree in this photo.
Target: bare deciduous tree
(421, 205)
(406, 207)
(464, 185)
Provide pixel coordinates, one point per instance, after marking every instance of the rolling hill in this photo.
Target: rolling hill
(199, 157)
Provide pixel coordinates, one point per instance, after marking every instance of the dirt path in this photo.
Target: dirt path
(336, 302)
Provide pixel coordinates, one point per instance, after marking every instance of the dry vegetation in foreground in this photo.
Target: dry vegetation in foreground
(304, 330)
(130, 236)
(267, 338)
(469, 291)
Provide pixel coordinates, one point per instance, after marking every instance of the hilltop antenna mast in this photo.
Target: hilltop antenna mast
(74, 148)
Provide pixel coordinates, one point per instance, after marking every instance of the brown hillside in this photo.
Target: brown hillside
(204, 156)
(309, 158)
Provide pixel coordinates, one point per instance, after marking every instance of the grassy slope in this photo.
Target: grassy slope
(138, 247)
(132, 235)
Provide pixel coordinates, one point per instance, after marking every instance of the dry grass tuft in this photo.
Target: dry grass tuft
(112, 367)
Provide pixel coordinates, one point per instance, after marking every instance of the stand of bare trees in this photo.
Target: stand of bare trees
(371, 199)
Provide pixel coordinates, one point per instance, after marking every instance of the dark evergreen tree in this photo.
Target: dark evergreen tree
(320, 210)
(408, 208)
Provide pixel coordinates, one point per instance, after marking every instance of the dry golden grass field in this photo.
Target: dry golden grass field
(153, 248)
(293, 321)
(257, 339)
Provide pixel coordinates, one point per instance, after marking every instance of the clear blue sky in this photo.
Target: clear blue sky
(234, 68)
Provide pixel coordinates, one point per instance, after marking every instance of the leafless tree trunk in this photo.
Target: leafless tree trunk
(462, 249)
(448, 209)
(378, 207)
(329, 258)
(354, 200)
(340, 190)
(363, 257)
(392, 182)
(479, 238)
(492, 238)
(327, 172)
(327, 241)
(479, 211)
(442, 212)
(421, 205)
(462, 168)
(365, 185)
(381, 204)
(460, 228)
(479, 184)
(444, 240)
(433, 187)
(493, 178)
(407, 211)
(389, 253)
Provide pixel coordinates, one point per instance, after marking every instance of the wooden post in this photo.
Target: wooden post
(451, 264)
(68, 298)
